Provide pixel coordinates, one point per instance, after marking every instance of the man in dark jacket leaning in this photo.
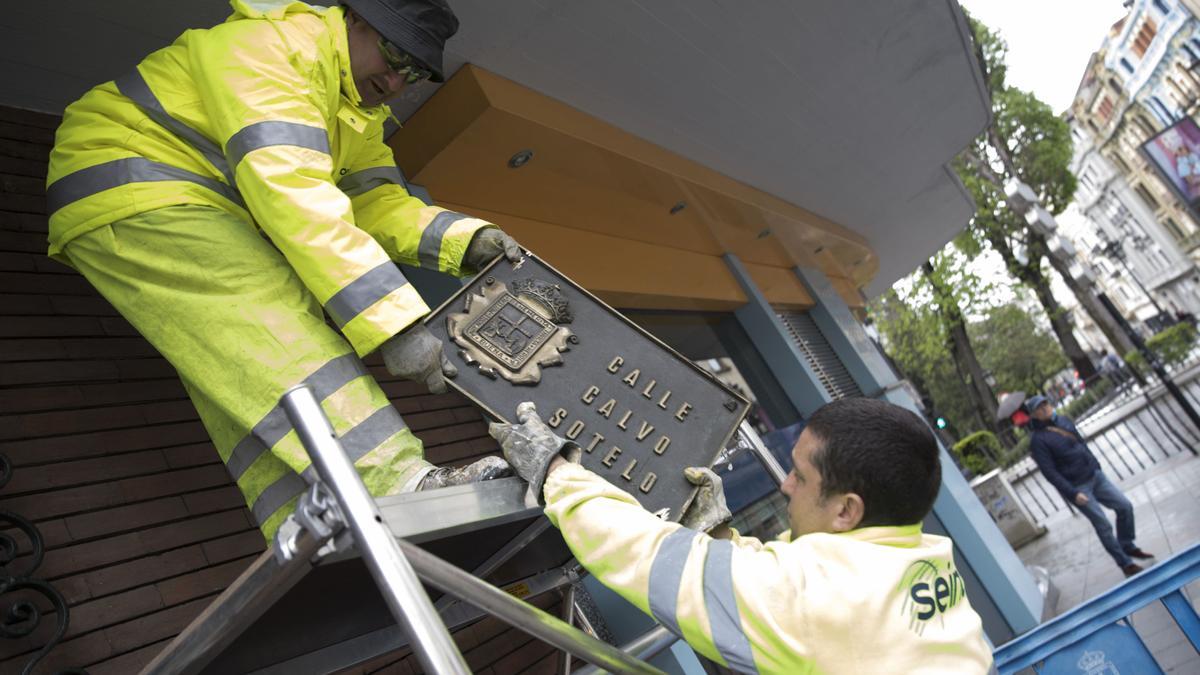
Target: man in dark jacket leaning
(1066, 462)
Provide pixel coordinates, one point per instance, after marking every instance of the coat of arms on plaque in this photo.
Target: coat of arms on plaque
(513, 330)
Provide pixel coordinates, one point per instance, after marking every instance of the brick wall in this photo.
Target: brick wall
(142, 525)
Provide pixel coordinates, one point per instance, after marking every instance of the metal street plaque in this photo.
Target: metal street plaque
(640, 411)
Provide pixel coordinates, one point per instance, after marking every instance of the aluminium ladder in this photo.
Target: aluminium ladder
(308, 605)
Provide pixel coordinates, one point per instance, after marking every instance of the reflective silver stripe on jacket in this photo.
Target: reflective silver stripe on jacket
(368, 289)
(134, 87)
(267, 134)
(327, 379)
(430, 249)
(666, 574)
(358, 442)
(366, 180)
(721, 605)
(87, 182)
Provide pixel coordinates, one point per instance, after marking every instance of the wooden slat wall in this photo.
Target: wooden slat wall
(142, 525)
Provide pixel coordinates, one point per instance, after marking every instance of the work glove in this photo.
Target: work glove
(486, 245)
(530, 446)
(417, 355)
(708, 509)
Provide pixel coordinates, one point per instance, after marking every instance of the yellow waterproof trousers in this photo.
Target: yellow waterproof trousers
(234, 319)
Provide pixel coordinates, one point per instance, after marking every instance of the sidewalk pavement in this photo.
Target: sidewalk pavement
(1166, 501)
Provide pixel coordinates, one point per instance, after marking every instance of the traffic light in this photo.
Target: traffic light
(941, 422)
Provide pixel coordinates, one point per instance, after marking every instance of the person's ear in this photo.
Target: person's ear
(849, 512)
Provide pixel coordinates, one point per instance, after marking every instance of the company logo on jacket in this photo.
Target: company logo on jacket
(933, 587)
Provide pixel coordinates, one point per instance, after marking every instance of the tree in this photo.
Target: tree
(926, 322)
(1026, 141)
(1019, 354)
(951, 292)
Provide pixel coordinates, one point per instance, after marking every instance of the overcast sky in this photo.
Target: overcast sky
(1049, 41)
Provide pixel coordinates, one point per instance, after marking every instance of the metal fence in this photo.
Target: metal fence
(1129, 432)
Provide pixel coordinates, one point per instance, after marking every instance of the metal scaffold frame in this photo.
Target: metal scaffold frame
(337, 519)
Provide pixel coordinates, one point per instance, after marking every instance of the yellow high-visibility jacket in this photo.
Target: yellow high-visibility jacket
(874, 600)
(259, 116)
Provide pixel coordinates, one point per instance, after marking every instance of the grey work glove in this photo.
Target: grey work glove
(708, 509)
(530, 446)
(486, 245)
(417, 355)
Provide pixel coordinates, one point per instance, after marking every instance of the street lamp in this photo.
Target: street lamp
(1114, 249)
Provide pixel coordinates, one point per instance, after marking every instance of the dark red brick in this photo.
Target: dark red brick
(76, 653)
(154, 627)
(26, 242)
(193, 454)
(22, 203)
(130, 662)
(126, 518)
(49, 372)
(114, 609)
(203, 582)
(17, 262)
(30, 118)
(65, 501)
(23, 149)
(217, 499)
(26, 133)
(62, 448)
(174, 482)
(94, 419)
(241, 544)
(49, 326)
(146, 570)
(120, 548)
(65, 474)
(23, 167)
(23, 185)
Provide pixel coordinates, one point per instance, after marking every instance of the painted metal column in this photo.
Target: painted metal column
(976, 537)
(776, 345)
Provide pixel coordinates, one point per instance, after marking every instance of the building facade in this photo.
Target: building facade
(1144, 78)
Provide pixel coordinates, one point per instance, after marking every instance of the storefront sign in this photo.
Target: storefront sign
(640, 411)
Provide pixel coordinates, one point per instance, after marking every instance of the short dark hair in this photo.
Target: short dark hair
(881, 452)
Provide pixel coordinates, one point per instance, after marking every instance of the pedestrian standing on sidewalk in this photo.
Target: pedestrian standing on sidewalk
(1065, 461)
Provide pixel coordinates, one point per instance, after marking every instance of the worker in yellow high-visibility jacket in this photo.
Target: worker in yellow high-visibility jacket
(233, 190)
(854, 587)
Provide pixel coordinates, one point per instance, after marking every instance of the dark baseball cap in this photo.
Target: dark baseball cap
(1034, 402)
(419, 27)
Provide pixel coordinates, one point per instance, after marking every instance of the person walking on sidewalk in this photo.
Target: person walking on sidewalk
(1065, 460)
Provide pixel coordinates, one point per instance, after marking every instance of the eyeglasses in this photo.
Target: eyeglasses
(402, 63)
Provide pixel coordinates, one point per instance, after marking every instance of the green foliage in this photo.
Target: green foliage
(977, 451)
(1018, 353)
(1172, 345)
(1039, 143)
(1018, 451)
(1135, 361)
(993, 50)
(916, 340)
(1090, 397)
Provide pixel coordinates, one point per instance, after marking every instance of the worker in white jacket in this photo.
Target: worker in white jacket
(854, 587)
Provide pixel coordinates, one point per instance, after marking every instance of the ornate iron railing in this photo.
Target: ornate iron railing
(20, 616)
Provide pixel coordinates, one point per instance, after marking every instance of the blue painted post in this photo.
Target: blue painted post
(975, 535)
(1184, 615)
(775, 345)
